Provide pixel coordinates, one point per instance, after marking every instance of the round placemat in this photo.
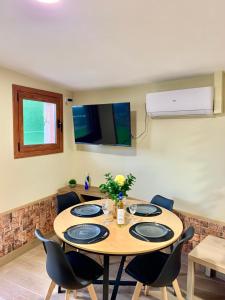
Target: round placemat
(99, 233)
(151, 210)
(83, 232)
(87, 210)
(147, 237)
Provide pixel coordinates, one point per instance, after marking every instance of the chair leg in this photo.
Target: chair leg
(63, 246)
(177, 290)
(50, 290)
(164, 293)
(100, 260)
(75, 294)
(137, 291)
(92, 293)
(147, 289)
(67, 296)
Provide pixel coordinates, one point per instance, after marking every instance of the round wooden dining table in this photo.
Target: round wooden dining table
(119, 242)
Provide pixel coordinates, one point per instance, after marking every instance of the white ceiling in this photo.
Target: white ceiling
(98, 43)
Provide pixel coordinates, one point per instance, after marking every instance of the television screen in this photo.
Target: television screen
(106, 124)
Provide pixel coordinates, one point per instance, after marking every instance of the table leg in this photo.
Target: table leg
(118, 277)
(190, 280)
(106, 278)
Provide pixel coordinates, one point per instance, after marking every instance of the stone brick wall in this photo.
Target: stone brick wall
(203, 227)
(17, 226)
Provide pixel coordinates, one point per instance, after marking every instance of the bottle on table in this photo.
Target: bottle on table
(87, 182)
(120, 211)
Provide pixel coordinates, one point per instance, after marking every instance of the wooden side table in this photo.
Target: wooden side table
(93, 193)
(210, 253)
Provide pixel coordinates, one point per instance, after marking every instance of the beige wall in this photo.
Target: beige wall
(180, 158)
(28, 179)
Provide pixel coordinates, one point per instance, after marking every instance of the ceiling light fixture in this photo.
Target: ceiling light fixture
(48, 1)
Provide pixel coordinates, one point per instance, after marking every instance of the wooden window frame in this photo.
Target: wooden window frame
(20, 93)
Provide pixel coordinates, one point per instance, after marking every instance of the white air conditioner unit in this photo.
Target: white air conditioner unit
(194, 101)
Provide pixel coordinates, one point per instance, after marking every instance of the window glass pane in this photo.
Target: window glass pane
(39, 122)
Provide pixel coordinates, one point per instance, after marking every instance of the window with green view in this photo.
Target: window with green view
(39, 122)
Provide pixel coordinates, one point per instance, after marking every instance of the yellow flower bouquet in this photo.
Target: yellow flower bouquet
(116, 188)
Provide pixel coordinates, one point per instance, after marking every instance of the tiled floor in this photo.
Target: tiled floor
(26, 278)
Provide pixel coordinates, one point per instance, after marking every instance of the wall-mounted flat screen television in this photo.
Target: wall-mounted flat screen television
(102, 124)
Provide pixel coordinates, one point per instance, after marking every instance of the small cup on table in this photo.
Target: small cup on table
(106, 210)
(133, 209)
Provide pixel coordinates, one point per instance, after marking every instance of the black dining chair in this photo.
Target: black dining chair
(64, 201)
(167, 204)
(163, 202)
(159, 269)
(71, 270)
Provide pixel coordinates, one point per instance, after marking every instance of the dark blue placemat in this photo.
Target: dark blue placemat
(138, 236)
(155, 213)
(74, 211)
(104, 233)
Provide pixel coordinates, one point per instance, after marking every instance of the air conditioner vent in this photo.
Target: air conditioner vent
(186, 102)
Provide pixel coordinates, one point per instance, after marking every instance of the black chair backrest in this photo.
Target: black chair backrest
(64, 201)
(57, 265)
(171, 269)
(163, 202)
